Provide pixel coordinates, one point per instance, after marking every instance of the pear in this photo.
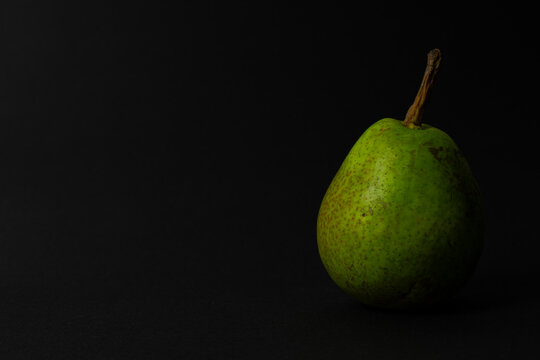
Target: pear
(401, 224)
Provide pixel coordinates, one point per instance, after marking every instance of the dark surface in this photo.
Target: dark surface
(162, 170)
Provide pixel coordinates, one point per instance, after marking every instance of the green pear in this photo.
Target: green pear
(402, 224)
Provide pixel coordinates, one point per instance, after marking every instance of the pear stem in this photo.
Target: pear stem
(413, 119)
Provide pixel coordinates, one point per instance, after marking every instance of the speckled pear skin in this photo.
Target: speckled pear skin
(401, 224)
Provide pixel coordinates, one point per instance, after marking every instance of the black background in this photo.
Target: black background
(162, 168)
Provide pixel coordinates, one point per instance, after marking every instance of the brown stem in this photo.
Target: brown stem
(413, 119)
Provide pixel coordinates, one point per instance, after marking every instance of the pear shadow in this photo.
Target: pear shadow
(493, 289)
(455, 305)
